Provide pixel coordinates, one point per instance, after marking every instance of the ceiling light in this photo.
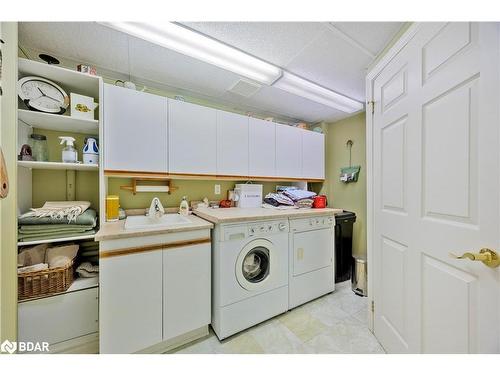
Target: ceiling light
(193, 44)
(301, 87)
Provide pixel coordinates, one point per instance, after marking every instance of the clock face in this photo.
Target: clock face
(42, 94)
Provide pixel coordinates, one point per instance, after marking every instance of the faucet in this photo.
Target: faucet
(156, 209)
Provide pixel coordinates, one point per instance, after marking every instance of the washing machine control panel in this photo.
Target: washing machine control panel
(267, 228)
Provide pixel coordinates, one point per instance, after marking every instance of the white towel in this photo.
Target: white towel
(33, 268)
(59, 210)
(86, 269)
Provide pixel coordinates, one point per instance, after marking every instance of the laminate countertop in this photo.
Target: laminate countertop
(116, 229)
(235, 214)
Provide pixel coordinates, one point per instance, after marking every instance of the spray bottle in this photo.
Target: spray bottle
(69, 153)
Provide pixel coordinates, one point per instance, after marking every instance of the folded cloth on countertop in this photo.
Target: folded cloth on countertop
(279, 198)
(304, 203)
(33, 268)
(36, 237)
(60, 256)
(86, 269)
(89, 253)
(281, 207)
(298, 194)
(33, 255)
(88, 217)
(59, 210)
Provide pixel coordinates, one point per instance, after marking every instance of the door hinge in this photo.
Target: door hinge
(372, 104)
(373, 306)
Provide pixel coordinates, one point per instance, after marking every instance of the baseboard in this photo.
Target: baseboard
(88, 344)
(176, 342)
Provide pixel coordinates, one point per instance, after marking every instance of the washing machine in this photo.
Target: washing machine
(249, 274)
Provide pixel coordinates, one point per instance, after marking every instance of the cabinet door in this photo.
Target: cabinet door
(288, 151)
(262, 148)
(232, 144)
(135, 130)
(186, 289)
(192, 138)
(130, 302)
(313, 155)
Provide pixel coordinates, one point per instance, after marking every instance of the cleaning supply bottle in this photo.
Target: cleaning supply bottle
(69, 153)
(184, 207)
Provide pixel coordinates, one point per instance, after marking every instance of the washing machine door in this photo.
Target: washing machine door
(254, 265)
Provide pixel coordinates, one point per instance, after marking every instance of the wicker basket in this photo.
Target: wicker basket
(44, 283)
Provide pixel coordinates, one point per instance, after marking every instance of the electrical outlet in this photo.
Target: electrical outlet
(217, 189)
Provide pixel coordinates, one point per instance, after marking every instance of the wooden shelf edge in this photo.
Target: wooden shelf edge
(178, 176)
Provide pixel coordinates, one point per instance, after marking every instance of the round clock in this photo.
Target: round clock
(42, 95)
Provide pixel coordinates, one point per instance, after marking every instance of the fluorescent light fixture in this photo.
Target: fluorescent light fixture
(302, 87)
(198, 46)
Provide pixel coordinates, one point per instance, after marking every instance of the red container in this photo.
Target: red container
(320, 201)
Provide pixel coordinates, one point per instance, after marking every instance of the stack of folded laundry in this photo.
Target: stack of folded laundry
(56, 220)
(291, 197)
(89, 255)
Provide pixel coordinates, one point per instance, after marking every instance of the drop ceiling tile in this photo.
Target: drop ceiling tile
(374, 36)
(334, 63)
(87, 42)
(275, 42)
(155, 63)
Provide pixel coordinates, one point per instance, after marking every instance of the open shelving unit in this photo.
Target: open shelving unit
(55, 178)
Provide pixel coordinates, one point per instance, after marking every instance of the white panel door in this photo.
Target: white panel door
(135, 130)
(436, 191)
(232, 144)
(192, 133)
(186, 289)
(130, 296)
(262, 148)
(313, 155)
(288, 151)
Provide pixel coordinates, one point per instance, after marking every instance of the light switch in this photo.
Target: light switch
(217, 189)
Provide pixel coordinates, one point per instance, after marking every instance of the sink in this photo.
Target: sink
(144, 222)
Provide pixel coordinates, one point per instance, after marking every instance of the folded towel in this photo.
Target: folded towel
(50, 228)
(33, 268)
(279, 198)
(297, 194)
(88, 217)
(280, 207)
(60, 256)
(59, 210)
(32, 255)
(90, 253)
(304, 203)
(51, 235)
(86, 269)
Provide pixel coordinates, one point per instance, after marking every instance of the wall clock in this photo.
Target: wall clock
(43, 95)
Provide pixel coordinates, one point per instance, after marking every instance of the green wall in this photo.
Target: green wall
(352, 196)
(193, 189)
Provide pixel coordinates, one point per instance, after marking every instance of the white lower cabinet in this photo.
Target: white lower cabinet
(131, 302)
(154, 293)
(186, 289)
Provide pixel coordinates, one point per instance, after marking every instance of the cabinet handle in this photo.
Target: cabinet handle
(4, 177)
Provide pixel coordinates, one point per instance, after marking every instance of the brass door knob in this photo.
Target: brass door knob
(487, 256)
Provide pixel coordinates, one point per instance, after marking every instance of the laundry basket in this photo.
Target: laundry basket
(359, 276)
(44, 283)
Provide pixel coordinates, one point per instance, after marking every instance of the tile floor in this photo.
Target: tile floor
(335, 323)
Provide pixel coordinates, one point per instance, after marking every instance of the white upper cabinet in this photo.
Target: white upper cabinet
(135, 130)
(192, 133)
(232, 144)
(288, 151)
(313, 155)
(262, 148)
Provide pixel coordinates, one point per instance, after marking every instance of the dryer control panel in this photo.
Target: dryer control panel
(268, 228)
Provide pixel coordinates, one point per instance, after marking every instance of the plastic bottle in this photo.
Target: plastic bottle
(69, 153)
(184, 207)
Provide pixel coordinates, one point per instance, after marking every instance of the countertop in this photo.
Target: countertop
(116, 229)
(234, 214)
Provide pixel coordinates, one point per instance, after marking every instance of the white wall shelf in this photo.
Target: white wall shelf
(69, 80)
(61, 123)
(61, 239)
(58, 165)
